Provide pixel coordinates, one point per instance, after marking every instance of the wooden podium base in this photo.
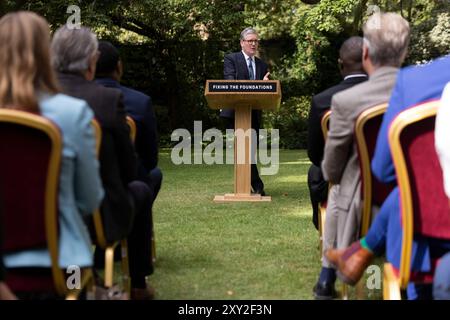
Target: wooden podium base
(242, 197)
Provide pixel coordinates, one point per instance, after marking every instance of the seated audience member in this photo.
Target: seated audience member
(384, 50)
(415, 85)
(139, 107)
(28, 83)
(126, 208)
(350, 65)
(441, 282)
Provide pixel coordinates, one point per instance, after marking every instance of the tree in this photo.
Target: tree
(170, 47)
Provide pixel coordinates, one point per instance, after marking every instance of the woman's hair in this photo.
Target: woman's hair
(25, 61)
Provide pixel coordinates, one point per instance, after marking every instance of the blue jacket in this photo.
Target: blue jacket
(139, 107)
(80, 188)
(415, 84)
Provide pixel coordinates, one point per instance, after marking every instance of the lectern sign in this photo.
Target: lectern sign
(233, 94)
(242, 87)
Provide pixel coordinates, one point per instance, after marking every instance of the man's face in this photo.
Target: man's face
(250, 44)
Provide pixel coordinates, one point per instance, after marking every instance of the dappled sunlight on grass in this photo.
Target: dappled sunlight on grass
(301, 162)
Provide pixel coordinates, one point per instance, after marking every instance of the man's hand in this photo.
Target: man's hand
(266, 77)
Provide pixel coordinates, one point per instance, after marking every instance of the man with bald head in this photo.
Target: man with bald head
(350, 65)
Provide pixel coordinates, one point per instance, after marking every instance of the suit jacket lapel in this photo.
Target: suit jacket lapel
(243, 64)
(258, 75)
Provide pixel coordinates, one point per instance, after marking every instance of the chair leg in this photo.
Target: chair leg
(125, 267)
(391, 286)
(109, 266)
(344, 295)
(360, 289)
(87, 283)
(322, 215)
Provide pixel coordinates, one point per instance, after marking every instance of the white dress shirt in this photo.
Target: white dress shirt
(442, 137)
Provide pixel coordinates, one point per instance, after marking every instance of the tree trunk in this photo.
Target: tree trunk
(171, 90)
(357, 17)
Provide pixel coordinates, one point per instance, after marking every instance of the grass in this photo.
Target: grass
(234, 250)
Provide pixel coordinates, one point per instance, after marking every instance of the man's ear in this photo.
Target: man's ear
(365, 53)
(340, 64)
(90, 74)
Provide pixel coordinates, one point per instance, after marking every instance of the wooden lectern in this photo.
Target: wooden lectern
(243, 96)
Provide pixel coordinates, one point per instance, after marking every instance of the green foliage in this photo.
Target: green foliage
(430, 35)
(291, 121)
(171, 47)
(235, 250)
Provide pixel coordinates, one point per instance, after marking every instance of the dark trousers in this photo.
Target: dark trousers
(318, 191)
(139, 238)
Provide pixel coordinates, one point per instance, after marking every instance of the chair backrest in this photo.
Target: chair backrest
(100, 233)
(373, 192)
(97, 217)
(325, 124)
(30, 159)
(424, 205)
(132, 126)
(98, 135)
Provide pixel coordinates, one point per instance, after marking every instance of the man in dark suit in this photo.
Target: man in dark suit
(126, 208)
(139, 107)
(352, 71)
(244, 65)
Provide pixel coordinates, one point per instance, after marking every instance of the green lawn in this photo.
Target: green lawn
(234, 250)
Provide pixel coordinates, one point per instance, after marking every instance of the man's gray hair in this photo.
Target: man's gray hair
(248, 31)
(72, 49)
(387, 37)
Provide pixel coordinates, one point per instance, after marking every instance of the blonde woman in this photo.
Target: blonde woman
(28, 83)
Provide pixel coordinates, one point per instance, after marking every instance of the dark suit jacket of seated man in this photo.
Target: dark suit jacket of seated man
(139, 107)
(126, 208)
(236, 67)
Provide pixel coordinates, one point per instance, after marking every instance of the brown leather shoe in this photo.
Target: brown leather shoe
(143, 294)
(350, 262)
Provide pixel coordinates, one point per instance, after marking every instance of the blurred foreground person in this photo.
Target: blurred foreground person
(28, 83)
(126, 208)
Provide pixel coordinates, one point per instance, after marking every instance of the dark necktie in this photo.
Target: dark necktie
(250, 69)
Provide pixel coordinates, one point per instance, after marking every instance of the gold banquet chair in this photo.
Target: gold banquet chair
(132, 125)
(101, 238)
(423, 203)
(373, 192)
(30, 160)
(325, 124)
